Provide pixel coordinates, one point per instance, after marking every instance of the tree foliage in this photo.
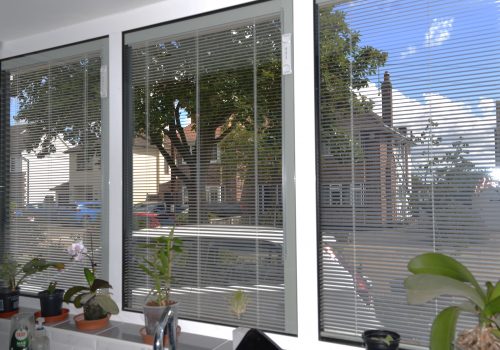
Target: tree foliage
(60, 101)
(345, 67)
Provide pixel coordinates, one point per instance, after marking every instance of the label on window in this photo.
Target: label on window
(104, 81)
(286, 53)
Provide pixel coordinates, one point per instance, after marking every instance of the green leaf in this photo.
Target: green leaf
(72, 291)
(443, 329)
(492, 308)
(495, 293)
(107, 303)
(99, 284)
(84, 298)
(423, 288)
(443, 265)
(89, 276)
(78, 300)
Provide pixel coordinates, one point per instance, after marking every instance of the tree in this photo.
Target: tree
(444, 184)
(345, 68)
(217, 91)
(59, 102)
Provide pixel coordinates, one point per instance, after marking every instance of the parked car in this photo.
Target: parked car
(153, 214)
(87, 211)
(46, 212)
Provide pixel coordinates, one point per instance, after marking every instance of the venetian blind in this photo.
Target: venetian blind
(206, 129)
(51, 117)
(409, 155)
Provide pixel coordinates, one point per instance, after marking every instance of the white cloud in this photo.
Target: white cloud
(410, 50)
(475, 123)
(438, 32)
(487, 106)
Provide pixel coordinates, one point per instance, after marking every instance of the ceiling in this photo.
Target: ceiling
(20, 18)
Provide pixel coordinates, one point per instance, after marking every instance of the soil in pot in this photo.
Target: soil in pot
(51, 303)
(379, 339)
(9, 300)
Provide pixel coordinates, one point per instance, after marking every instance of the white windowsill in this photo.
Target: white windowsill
(118, 335)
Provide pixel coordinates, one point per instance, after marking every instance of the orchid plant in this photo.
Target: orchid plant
(95, 297)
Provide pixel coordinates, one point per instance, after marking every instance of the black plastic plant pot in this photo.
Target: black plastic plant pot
(380, 339)
(51, 304)
(9, 300)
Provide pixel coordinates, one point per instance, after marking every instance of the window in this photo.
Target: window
(51, 115)
(210, 91)
(408, 118)
(214, 194)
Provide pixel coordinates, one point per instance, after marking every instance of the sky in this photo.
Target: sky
(444, 62)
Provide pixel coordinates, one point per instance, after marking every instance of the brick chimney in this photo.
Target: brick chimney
(387, 100)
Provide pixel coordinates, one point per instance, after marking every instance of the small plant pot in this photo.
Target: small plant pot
(9, 300)
(91, 325)
(379, 339)
(53, 319)
(149, 338)
(152, 315)
(51, 304)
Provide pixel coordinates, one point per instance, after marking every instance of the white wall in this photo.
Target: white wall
(305, 145)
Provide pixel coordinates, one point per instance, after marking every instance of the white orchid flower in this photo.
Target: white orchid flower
(77, 251)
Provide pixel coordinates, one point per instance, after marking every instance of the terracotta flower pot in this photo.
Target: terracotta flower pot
(52, 319)
(148, 338)
(91, 325)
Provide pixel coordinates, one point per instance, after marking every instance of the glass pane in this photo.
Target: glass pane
(208, 105)
(409, 155)
(54, 145)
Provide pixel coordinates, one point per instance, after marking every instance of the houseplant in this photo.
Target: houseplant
(437, 274)
(14, 274)
(158, 266)
(94, 298)
(51, 300)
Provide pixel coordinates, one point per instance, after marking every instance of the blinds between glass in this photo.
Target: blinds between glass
(213, 170)
(408, 155)
(54, 176)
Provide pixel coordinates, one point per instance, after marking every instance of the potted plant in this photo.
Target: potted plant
(437, 274)
(158, 266)
(380, 339)
(14, 274)
(51, 300)
(94, 297)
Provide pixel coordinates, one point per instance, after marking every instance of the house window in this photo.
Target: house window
(208, 94)
(408, 119)
(215, 157)
(213, 194)
(58, 115)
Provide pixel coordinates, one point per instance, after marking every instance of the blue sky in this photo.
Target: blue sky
(444, 61)
(463, 32)
(14, 108)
